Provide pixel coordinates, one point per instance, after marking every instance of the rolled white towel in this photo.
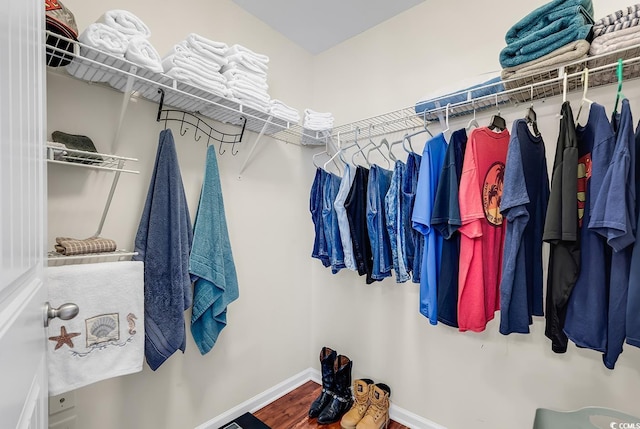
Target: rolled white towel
(247, 84)
(239, 49)
(125, 22)
(196, 79)
(212, 50)
(104, 38)
(141, 51)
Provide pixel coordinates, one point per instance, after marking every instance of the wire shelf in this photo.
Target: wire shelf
(544, 84)
(92, 65)
(55, 259)
(80, 158)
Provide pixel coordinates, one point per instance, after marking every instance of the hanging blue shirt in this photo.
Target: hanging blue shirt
(430, 168)
(586, 320)
(613, 218)
(412, 239)
(524, 204)
(446, 219)
(315, 207)
(633, 301)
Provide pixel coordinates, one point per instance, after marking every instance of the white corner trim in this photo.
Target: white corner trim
(259, 401)
(251, 405)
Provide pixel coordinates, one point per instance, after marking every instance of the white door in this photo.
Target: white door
(23, 377)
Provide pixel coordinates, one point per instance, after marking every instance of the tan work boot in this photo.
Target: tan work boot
(377, 415)
(361, 403)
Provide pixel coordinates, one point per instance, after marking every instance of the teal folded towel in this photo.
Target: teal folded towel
(163, 242)
(546, 15)
(547, 28)
(211, 262)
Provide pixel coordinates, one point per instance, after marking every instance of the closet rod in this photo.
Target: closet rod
(407, 119)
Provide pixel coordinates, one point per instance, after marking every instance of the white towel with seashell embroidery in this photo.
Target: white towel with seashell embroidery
(106, 338)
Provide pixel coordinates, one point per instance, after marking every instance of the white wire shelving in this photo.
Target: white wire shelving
(55, 259)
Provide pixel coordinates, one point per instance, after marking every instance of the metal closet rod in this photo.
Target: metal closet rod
(414, 120)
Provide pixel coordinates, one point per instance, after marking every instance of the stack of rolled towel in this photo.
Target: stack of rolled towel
(118, 33)
(198, 61)
(246, 74)
(619, 30)
(282, 111)
(555, 33)
(317, 121)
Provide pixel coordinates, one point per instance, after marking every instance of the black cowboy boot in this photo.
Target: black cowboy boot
(342, 399)
(327, 361)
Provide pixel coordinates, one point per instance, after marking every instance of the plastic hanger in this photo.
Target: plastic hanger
(338, 154)
(378, 148)
(497, 121)
(585, 88)
(619, 93)
(360, 150)
(407, 137)
(473, 122)
(446, 119)
(532, 117)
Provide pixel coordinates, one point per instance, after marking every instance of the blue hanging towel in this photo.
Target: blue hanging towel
(163, 242)
(211, 262)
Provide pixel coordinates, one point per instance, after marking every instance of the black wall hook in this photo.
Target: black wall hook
(200, 127)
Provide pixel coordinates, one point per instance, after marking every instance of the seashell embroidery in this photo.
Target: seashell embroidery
(131, 319)
(102, 328)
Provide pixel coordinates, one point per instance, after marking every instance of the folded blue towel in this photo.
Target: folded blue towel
(491, 86)
(211, 262)
(163, 242)
(546, 15)
(546, 40)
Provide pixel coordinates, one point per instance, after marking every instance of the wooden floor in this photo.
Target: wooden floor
(290, 411)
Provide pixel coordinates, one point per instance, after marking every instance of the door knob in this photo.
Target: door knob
(65, 312)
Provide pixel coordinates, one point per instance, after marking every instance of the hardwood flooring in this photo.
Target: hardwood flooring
(290, 411)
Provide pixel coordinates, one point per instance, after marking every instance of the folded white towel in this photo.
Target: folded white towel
(141, 51)
(254, 104)
(212, 50)
(257, 72)
(104, 38)
(125, 23)
(106, 339)
(239, 49)
(248, 61)
(194, 65)
(198, 80)
(246, 93)
(247, 84)
(314, 114)
(183, 52)
(281, 110)
(615, 40)
(237, 74)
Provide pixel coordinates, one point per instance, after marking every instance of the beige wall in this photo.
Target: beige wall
(458, 380)
(289, 305)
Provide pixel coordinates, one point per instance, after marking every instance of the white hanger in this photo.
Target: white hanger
(407, 137)
(585, 88)
(360, 151)
(446, 120)
(473, 122)
(378, 148)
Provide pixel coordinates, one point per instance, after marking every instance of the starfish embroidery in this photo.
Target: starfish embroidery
(64, 338)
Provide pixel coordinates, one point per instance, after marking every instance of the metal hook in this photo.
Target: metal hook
(182, 133)
(196, 137)
(220, 150)
(234, 152)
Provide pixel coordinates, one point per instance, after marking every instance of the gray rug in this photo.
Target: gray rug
(246, 421)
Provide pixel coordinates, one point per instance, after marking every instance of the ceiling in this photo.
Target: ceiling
(317, 25)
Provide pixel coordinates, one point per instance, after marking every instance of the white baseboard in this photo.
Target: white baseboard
(251, 405)
(259, 401)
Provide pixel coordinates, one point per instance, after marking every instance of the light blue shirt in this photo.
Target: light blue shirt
(343, 221)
